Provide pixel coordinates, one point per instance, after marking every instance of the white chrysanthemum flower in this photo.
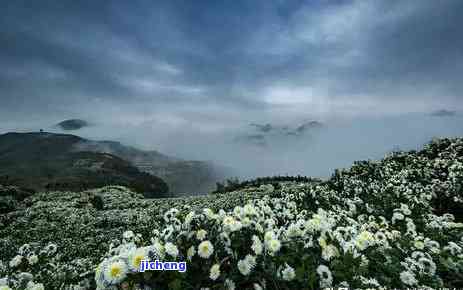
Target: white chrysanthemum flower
(159, 250)
(236, 226)
(364, 240)
(249, 210)
(205, 249)
(397, 216)
(171, 249)
(322, 241)
(16, 261)
(135, 257)
(190, 253)
(24, 249)
(128, 235)
(329, 252)
(115, 272)
(34, 286)
(427, 266)
(214, 272)
(381, 238)
(238, 211)
(188, 218)
(33, 259)
(246, 265)
(274, 246)
(256, 245)
(229, 284)
(326, 278)
(230, 224)
(288, 273)
(201, 234)
(270, 235)
(408, 278)
(405, 210)
(419, 244)
(293, 231)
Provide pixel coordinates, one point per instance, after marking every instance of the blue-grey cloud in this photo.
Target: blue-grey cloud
(176, 70)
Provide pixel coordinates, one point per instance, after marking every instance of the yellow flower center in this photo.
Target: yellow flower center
(115, 271)
(137, 261)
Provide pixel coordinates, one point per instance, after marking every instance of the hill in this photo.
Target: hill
(49, 152)
(182, 176)
(45, 161)
(391, 223)
(72, 124)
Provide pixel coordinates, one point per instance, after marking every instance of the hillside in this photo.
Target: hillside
(394, 223)
(36, 160)
(45, 161)
(182, 176)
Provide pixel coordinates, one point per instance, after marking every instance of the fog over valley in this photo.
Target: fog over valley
(272, 149)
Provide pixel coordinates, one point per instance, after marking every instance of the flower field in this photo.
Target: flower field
(393, 223)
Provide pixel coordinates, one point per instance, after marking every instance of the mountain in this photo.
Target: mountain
(264, 134)
(72, 124)
(443, 113)
(182, 176)
(46, 161)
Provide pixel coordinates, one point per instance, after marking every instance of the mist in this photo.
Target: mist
(315, 153)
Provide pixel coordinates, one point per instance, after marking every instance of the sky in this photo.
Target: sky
(189, 77)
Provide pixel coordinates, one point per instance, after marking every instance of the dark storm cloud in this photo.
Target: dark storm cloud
(212, 59)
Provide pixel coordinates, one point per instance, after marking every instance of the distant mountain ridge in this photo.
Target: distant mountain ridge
(47, 161)
(37, 155)
(263, 134)
(182, 176)
(72, 124)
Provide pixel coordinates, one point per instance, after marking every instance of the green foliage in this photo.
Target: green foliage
(393, 223)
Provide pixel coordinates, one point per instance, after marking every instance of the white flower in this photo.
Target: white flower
(16, 261)
(329, 252)
(190, 252)
(208, 213)
(244, 267)
(256, 245)
(288, 273)
(405, 210)
(214, 272)
(397, 216)
(128, 235)
(326, 278)
(229, 284)
(159, 250)
(419, 244)
(364, 240)
(171, 249)
(293, 231)
(34, 286)
(201, 234)
(427, 266)
(380, 238)
(273, 246)
(408, 278)
(249, 209)
(205, 249)
(33, 259)
(135, 257)
(115, 272)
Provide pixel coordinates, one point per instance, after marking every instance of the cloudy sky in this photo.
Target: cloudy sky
(182, 68)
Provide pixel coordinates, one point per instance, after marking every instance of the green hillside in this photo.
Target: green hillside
(392, 223)
(44, 161)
